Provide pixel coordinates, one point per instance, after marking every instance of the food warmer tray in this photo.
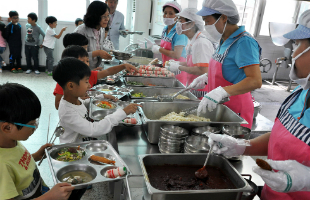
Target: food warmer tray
(151, 112)
(152, 93)
(151, 193)
(95, 147)
(131, 32)
(158, 82)
(118, 92)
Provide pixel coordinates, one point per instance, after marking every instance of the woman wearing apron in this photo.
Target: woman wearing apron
(288, 144)
(198, 51)
(234, 68)
(172, 45)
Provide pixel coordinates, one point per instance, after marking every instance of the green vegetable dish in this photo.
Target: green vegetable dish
(70, 154)
(140, 94)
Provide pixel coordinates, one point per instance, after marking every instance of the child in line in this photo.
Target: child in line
(20, 178)
(49, 42)
(14, 39)
(78, 22)
(73, 76)
(33, 32)
(2, 44)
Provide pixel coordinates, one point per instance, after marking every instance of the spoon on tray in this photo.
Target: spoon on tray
(202, 173)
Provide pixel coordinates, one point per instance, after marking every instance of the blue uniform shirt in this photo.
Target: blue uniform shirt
(177, 40)
(243, 53)
(299, 107)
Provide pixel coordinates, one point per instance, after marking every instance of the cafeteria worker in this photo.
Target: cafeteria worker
(234, 67)
(172, 45)
(288, 144)
(198, 51)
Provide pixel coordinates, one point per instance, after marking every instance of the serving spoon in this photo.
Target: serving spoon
(202, 173)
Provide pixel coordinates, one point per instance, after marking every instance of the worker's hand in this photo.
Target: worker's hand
(211, 100)
(227, 145)
(105, 55)
(40, 153)
(172, 65)
(155, 49)
(60, 191)
(107, 96)
(131, 108)
(291, 177)
(64, 28)
(130, 68)
(199, 82)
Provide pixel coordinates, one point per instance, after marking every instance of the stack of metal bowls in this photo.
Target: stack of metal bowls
(196, 144)
(209, 129)
(171, 139)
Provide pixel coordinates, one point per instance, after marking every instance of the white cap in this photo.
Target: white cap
(303, 29)
(190, 13)
(225, 7)
(173, 4)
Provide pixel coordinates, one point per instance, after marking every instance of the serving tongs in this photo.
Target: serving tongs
(168, 98)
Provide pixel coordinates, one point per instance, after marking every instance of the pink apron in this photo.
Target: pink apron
(241, 104)
(190, 77)
(289, 140)
(166, 43)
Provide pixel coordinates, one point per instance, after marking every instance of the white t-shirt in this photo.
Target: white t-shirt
(49, 39)
(73, 119)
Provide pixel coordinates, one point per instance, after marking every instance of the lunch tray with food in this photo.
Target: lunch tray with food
(118, 92)
(85, 163)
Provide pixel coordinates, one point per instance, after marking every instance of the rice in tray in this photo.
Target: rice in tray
(180, 117)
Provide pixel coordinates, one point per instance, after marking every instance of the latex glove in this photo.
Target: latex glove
(211, 100)
(155, 48)
(172, 65)
(149, 43)
(142, 44)
(291, 177)
(199, 82)
(227, 145)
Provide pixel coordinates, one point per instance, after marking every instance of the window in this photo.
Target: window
(22, 7)
(303, 7)
(66, 10)
(281, 11)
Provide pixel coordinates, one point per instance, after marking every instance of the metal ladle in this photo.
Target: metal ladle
(167, 98)
(202, 173)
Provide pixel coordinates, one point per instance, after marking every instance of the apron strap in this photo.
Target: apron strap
(165, 38)
(289, 101)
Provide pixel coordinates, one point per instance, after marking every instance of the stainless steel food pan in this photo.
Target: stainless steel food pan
(152, 193)
(152, 111)
(158, 82)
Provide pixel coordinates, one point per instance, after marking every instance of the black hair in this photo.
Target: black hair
(216, 16)
(106, 29)
(2, 29)
(18, 104)
(50, 19)
(74, 39)
(33, 16)
(175, 10)
(70, 69)
(13, 13)
(94, 12)
(77, 21)
(74, 51)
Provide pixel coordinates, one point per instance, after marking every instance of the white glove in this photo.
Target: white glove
(291, 177)
(172, 65)
(149, 44)
(155, 48)
(227, 145)
(211, 100)
(199, 82)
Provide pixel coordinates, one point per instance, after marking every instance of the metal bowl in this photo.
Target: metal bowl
(211, 129)
(123, 104)
(74, 168)
(103, 171)
(173, 132)
(96, 102)
(54, 152)
(96, 147)
(237, 131)
(105, 155)
(197, 144)
(101, 114)
(121, 54)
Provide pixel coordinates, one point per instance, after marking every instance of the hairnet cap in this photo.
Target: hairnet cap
(190, 13)
(205, 11)
(303, 29)
(173, 4)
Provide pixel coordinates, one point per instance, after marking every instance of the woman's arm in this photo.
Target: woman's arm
(252, 81)
(194, 70)
(176, 54)
(259, 146)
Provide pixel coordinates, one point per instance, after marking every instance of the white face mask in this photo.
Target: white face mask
(179, 27)
(168, 21)
(214, 35)
(303, 82)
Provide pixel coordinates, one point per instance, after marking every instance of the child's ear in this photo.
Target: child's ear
(5, 127)
(70, 85)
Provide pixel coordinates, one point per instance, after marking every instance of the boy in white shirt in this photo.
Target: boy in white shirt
(49, 42)
(73, 76)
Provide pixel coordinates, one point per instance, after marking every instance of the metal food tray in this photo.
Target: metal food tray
(193, 159)
(95, 147)
(131, 32)
(151, 112)
(158, 82)
(118, 92)
(152, 93)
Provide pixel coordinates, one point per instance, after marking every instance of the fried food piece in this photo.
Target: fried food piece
(263, 164)
(102, 159)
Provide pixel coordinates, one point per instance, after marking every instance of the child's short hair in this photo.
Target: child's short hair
(13, 13)
(74, 51)
(18, 104)
(50, 20)
(70, 69)
(33, 16)
(77, 21)
(75, 39)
